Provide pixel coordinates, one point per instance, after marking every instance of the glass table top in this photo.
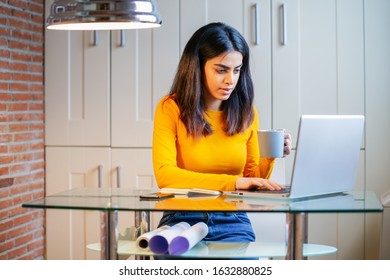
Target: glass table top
(122, 199)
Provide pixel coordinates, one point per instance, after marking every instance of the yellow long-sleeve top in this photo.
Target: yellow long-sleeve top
(209, 162)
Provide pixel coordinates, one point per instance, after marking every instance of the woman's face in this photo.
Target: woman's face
(221, 75)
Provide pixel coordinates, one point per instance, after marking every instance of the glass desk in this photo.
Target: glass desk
(111, 200)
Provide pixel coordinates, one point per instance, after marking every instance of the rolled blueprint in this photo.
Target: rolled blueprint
(143, 240)
(188, 239)
(159, 243)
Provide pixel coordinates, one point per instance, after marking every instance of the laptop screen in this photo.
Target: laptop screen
(327, 155)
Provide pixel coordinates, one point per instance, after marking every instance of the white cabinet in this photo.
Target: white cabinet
(308, 57)
(77, 87)
(102, 87)
(131, 168)
(143, 67)
(317, 59)
(68, 231)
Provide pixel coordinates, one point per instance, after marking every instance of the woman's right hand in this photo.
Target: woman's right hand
(246, 183)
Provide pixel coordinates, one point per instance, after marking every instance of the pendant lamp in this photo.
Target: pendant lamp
(103, 15)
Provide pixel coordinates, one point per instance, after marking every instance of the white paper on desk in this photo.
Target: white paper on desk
(143, 240)
(159, 243)
(188, 239)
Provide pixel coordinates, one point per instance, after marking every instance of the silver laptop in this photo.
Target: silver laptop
(326, 159)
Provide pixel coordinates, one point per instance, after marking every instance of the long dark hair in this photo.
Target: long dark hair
(206, 43)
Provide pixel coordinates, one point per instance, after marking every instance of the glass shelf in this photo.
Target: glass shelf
(219, 250)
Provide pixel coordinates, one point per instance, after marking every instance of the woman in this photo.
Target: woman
(205, 130)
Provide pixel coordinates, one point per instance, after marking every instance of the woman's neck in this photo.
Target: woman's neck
(214, 105)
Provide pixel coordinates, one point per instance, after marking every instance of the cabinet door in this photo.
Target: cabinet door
(143, 67)
(77, 88)
(377, 85)
(318, 59)
(68, 232)
(133, 169)
(196, 13)
(257, 32)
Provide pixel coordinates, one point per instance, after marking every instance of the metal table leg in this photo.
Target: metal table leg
(109, 231)
(296, 235)
(290, 231)
(109, 235)
(300, 235)
(142, 223)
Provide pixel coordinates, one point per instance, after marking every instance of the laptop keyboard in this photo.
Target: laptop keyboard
(285, 190)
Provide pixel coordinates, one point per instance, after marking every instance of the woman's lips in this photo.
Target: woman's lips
(227, 90)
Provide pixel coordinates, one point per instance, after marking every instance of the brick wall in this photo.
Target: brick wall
(21, 128)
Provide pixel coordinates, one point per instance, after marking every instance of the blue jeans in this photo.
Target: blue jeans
(223, 226)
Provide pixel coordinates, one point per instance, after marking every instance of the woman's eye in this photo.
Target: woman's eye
(237, 71)
(221, 71)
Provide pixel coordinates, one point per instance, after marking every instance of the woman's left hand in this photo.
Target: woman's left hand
(287, 144)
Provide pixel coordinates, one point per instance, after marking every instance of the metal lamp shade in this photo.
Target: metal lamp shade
(103, 15)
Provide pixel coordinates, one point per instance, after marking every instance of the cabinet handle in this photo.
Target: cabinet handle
(284, 25)
(95, 41)
(122, 39)
(118, 176)
(100, 174)
(257, 27)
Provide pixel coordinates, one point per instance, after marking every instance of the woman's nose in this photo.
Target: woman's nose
(229, 78)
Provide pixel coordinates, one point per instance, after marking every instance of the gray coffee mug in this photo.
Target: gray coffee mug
(271, 143)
